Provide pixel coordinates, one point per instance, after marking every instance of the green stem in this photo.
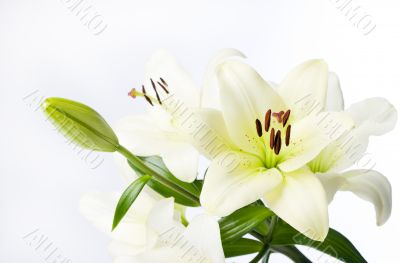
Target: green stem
(141, 166)
(257, 235)
(265, 251)
(274, 220)
(267, 256)
(260, 254)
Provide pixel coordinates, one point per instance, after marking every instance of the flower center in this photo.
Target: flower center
(275, 125)
(134, 93)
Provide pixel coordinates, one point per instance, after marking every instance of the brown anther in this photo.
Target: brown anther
(285, 117)
(163, 81)
(258, 127)
(272, 138)
(132, 93)
(287, 137)
(267, 120)
(146, 97)
(155, 90)
(278, 115)
(163, 87)
(277, 143)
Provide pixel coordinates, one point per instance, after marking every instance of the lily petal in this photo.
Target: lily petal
(99, 209)
(300, 200)
(214, 137)
(203, 234)
(369, 185)
(162, 64)
(245, 97)
(375, 116)
(310, 135)
(161, 219)
(147, 136)
(234, 180)
(304, 88)
(210, 91)
(334, 97)
(163, 254)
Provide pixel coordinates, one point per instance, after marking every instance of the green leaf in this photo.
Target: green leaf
(242, 221)
(291, 252)
(242, 246)
(166, 184)
(335, 244)
(128, 197)
(81, 124)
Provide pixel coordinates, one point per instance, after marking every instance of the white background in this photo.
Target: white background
(46, 48)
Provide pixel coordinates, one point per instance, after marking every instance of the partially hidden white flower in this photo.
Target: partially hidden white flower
(156, 132)
(270, 138)
(372, 117)
(152, 231)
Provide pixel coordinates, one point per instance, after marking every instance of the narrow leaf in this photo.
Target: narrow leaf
(166, 184)
(293, 253)
(128, 197)
(242, 246)
(335, 244)
(242, 221)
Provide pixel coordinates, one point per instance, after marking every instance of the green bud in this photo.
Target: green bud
(81, 124)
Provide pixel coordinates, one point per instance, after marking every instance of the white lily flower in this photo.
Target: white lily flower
(270, 139)
(151, 231)
(156, 132)
(374, 116)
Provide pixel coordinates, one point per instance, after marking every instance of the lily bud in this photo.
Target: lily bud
(81, 124)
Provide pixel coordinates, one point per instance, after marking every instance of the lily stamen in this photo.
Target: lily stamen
(164, 82)
(155, 90)
(276, 136)
(287, 137)
(151, 100)
(267, 120)
(258, 127)
(277, 143)
(272, 138)
(146, 97)
(163, 87)
(286, 117)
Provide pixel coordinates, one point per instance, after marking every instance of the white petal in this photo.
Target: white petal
(210, 91)
(304, 88)
(163, 65)
(119, 250)
(310, 135)
(162, 255)
(375, 116)
(300, 201)
(204, 236)
(213, 138)
(124, 169)
(342, 153)
(182, 161)
(334, 96)
(99, 209)
(144, 135)
(369, 185)
(199, 242)
(234, 180)
(162, 223)
(245, 97)
(161, 217)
